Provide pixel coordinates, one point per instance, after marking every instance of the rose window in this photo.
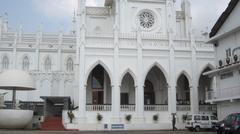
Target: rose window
(146, 20)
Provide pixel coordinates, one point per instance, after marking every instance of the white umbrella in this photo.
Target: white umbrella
(16, 80)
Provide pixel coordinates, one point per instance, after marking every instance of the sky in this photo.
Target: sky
(54, 15)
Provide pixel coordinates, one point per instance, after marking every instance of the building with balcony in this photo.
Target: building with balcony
(136, 59)
(225, 36)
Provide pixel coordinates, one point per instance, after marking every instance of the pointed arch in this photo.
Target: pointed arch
(210, 66)
(69, 64)
(159, 67)
(5, 62)
(186, 75)
(132, 75)
(25, 63)
(205, 83)
(99, 62)
(47, 63)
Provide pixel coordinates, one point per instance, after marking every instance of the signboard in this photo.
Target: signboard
(117, 126)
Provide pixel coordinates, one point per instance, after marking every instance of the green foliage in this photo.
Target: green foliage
(155, 117)
(128, 117)
(99, 117)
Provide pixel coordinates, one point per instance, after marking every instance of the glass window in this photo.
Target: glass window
(230, 118)
(226, 75)
(189, 117)
(197, 117)
(228, 52)
(98, 77)
(205, 118)
(69, 65)
(5, 63)
(214, 118)
(25, 64)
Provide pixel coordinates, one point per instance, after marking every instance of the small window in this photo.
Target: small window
(5, 63)
(189, 117)
(226, 75)
(205, 118)
(25, 64)
(69, 65)
(228, 52)
(197, 117)
(214, 118)
(47, 64)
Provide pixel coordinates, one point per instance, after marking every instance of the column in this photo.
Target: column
(140, 84)
(15, 51)
(171, 31)
(38, 40)
(194, 85)
(172, 105)
(59, 62)
(1, 26)
(81, 41)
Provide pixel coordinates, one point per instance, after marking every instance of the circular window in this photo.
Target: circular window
(146, 19)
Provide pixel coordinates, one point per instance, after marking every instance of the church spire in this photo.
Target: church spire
(81, 4)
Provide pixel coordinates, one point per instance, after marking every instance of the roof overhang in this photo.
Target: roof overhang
(216, 71)
(222, 35)
(108, 3)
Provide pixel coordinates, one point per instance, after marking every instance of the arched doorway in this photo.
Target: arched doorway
(155, 91)
(127, 97)
(204, 86)
(183, 93)
(98, 94)
(205, 92)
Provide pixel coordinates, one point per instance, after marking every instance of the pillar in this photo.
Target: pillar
(59, 62)
(81, 41)
(194, 84)
(15, 51)
(116, 88)
(140, 80)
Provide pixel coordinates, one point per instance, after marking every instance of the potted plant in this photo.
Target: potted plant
(99, 117)
(184, 117)
(71, 115)
(155, 117)
(128, 117)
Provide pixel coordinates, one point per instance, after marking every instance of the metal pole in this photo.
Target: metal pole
(14, 99)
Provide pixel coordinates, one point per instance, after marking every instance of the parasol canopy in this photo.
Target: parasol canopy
(16, 80)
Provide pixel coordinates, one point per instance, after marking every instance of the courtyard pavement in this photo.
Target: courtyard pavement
(106, 132)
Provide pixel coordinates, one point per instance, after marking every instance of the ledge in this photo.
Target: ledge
(231, 99)
(225, 68)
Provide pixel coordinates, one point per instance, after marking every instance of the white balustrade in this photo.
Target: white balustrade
(98, 107)
(183, 108)
(230, 92)
(207, 108)
(127, 107)
(225, 93)
(210, 95)
(155, 107)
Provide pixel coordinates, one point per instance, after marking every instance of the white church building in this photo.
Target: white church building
(136, 59)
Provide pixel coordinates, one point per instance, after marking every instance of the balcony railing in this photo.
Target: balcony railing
(210, 95)
(225, 93)
(127, 107)
(155, 107)
(183, 107)
(92, 107)
(204, 108)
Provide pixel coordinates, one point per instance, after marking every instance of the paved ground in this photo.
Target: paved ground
(120, 132)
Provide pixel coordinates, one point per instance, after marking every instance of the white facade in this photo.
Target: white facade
(146, 50)
(227, 42)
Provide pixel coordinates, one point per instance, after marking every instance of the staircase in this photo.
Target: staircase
(52, 124)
